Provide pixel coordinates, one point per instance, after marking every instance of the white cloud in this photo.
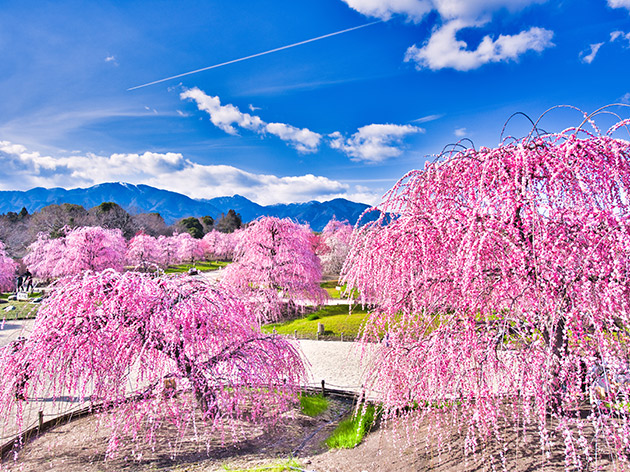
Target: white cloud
(619, 4)
(303, 139)
(415, 10)
(23, 169)
(224, 117)
(615, 35)
(461, 132)
(625, 98)
(228, 117)
(426, 119)
(373, 143)
(588, 58)
(443, 49)
(476, 9)
(111, 59)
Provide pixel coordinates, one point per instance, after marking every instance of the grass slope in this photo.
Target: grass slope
(336, 320)
(202, 266)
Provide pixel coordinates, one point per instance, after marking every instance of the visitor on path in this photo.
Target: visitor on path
(28, 281)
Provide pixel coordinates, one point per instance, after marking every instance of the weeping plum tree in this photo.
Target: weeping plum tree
(167, 250)
(8, 268)
(218, 245)
(274, 261)
(335, 237)
(500, 279)
(104, 335)
(143, 252)
(78, 249)
(189, 249)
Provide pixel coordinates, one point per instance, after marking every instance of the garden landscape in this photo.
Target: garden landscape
(382, 265)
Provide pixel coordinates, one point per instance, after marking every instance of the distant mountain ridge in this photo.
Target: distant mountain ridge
(174, 206)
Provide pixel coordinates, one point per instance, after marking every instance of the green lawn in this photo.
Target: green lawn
(331, 287)
(335, 318)
(203, 266)
(23, 310)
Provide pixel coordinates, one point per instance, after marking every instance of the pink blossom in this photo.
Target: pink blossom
(8, 269)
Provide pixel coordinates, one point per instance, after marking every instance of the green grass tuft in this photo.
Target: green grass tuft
(289, 464)
(313, 405)
(351, 431)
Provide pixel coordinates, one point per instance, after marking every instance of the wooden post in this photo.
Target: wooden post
(323, 388)
(41, 419)
(295, 333)
(342, 336)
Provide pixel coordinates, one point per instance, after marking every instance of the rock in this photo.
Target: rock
(9, 308)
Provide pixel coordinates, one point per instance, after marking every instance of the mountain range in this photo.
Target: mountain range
(174, 206)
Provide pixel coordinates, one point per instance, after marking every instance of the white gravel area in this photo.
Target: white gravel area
(12, 329)
(342, 365)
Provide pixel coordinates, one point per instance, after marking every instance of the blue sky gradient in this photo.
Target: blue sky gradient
(343, 116)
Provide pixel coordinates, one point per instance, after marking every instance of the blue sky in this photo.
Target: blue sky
(342, 116)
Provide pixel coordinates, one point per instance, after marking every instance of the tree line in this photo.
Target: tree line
(20, 229)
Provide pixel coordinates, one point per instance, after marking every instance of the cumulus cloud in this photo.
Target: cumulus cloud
(444, 50)
(373, 143)
(588, 58)
(225, 117)
(24, 169)
(416, 10)
(229, 117)
(303, 139)
(619, 4)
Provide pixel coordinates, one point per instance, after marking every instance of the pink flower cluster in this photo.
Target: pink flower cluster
(8, 270)
(83, 248)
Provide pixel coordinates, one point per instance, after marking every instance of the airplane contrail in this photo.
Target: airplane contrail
(254, 55)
